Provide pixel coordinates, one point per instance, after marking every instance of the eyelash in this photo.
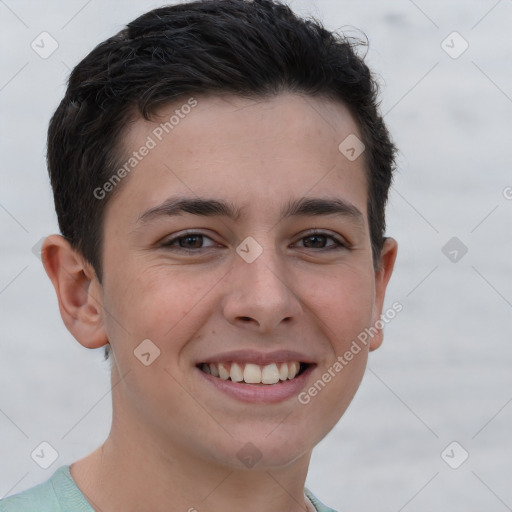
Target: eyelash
(338, 244)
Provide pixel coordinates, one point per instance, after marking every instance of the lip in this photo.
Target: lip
(259, 393)
(257, 357)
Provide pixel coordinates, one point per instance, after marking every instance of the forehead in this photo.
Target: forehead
(247, 151)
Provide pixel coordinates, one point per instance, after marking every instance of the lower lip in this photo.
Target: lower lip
(262, 393)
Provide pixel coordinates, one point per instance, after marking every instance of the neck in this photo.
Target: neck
(123, 474)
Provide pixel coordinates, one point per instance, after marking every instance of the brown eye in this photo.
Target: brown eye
(315, 241)
(320, 240)
(189, 242)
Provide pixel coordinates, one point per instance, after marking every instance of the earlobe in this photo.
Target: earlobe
(78, 291)
(382, 276)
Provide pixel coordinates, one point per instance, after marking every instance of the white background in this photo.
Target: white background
(444, 371)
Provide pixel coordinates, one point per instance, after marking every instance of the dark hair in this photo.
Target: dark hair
(247, 48)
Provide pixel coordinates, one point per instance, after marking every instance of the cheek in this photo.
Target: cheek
(160, 304)
(344, 303)
(344, 307)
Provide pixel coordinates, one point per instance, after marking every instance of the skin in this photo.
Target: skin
(174, 439)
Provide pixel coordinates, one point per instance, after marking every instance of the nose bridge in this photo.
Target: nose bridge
(260, 267)
(260, 289)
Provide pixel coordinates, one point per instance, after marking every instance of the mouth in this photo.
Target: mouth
(255, 374)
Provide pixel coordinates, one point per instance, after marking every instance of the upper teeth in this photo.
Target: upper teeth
(253, 373)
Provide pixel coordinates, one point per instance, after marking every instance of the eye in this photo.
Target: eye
(194, 242)
(189, 242)
(318, 240)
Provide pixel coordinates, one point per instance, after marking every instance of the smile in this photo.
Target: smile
(250, 373)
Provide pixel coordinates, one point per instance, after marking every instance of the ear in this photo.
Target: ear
(382, 275)
(78, 291)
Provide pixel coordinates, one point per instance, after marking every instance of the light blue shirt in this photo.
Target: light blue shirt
(61, 494)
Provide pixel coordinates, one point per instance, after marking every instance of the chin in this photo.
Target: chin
(268, 451)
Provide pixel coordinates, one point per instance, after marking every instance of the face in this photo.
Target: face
(240, 237)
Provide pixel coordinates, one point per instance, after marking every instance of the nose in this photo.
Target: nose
(261, 295)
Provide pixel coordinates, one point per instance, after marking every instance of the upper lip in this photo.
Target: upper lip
(257, 357)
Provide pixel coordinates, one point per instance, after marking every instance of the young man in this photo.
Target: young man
(220, 174)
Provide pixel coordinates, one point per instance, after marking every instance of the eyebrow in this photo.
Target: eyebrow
(304, 207)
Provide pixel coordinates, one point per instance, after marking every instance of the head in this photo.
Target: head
(245, 103)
